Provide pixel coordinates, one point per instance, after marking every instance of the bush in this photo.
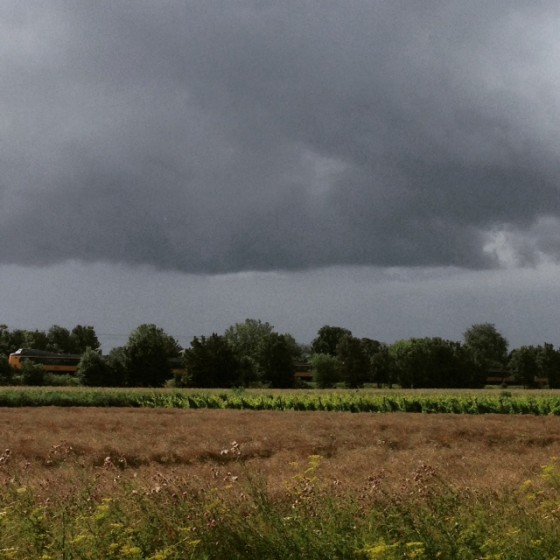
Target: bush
(6, 371)
(32, 374)
(94, 371)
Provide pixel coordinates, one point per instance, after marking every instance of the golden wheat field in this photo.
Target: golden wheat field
(51, 445)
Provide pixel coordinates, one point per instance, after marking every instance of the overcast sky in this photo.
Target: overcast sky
(387, 166)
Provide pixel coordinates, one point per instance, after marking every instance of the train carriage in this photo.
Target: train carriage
(51, 361)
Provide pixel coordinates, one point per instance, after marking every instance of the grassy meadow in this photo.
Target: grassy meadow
(171, 483)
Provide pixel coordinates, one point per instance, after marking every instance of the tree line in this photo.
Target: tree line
(252, 353)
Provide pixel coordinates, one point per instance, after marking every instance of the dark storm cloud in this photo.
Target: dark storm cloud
(222, 136)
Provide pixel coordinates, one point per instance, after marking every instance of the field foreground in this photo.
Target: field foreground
(474, 451)
(164, 483)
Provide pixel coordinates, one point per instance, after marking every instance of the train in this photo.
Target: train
(65, 363)
(51, 361)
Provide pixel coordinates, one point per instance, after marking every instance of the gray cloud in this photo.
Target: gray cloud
(224, 136)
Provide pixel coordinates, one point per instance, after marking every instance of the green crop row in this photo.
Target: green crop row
(339, 401)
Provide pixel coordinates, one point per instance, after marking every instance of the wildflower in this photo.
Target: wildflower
(415, 549)
(103, 509)
(129, 550)
(82, 537)
(379, 551)
(160, 555)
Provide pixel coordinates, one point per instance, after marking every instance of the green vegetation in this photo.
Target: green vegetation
(56, 339)
(325, 370)
(253, 354)
(211, 362)
(428, 402)
(146, 357)
(172, 518)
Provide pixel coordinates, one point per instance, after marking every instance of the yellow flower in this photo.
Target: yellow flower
(415, 550)
(128, 550)
(378, 551)
(160, 555)
(80, 538)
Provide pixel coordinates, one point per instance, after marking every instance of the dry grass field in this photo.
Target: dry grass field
(468, 451)
(168, 484)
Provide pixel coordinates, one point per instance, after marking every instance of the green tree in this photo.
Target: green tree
(382, 367)
(84, 337)
(6, 372)
(433, 362)
(10, 341)
(297, 350)
(247, 339)
(410, 362)
(353, 361)
(15, 340)
(146, 356)
(59, 340)
(94, 371)
(523, 364)
(116, 361)
(5, 341)
(327, 339)
(212, 362)
(38, 340)
(548, 360)
(325, 370)
(252, 341)
(277, 361)
(487, 346)
(466, 373)
(378, 357)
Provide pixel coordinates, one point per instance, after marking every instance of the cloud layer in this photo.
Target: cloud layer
(224, 136)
